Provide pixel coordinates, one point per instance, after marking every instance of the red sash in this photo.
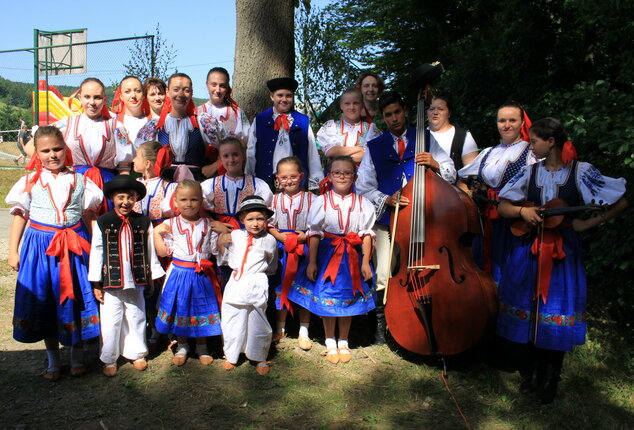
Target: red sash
(64, 240)
(347, 242)
(293, 251)
(552, 247)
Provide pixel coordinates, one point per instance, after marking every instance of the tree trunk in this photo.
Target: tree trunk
(265, 49)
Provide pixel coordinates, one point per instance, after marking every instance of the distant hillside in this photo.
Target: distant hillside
(18, 94)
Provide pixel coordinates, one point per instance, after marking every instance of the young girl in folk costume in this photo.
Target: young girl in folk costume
(545, 273)
(184, 135)
(348, 135)
(494, 167)
(99, 145)
(339, 283)
(130, 106)
(53, 299)
(252, 254)
(288, 226)
(222, 194)
(223, 108)
(159, 190)
(154, 92)
(189, 302)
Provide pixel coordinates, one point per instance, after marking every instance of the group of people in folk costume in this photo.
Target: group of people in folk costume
(193, 246)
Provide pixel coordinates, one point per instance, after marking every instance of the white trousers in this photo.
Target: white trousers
(245, 328)
(122, 325)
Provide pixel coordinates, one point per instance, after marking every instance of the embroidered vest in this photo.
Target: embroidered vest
(110, 225)
(77, 145)
(222, 205)
(389, 167)
(567, 191)
(196, 147)
(266, 137)
(151, 205)
(43, 208)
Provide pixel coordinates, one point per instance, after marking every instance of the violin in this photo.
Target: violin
(553, 213)
(438, 302)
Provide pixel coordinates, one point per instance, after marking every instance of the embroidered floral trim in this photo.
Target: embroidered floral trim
(328, 301)
(192, 321)
(548, 319)
(68, 327)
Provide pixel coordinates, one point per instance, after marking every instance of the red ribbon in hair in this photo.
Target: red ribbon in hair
(345, 243)
(526, 126)
(65, 241)
(163, 159)
(325, 185)
(117, 105)
(36, 164)
(167, 108)
(293, 251)
(282, 121)
(568, 152)
(550, 247)
(232, 103)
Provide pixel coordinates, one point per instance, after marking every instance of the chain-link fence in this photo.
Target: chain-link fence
(105, 60)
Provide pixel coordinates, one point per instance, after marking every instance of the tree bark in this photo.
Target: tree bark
(265, 49)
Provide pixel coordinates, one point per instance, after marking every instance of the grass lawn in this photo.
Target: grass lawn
(8, 177)
(378, 389)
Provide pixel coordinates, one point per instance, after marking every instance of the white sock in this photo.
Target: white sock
(331, 343)
(76, 355)
(201, 349)
(342, 343)
(281, 326)
(303, 329)
(53, 359)
(183, 348)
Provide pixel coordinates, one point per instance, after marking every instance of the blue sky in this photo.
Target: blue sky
(203, 32)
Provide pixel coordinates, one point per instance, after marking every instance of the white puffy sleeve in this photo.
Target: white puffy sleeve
(470, 144)
(326, 136)
(208, 192)
(271, 254)
(368, 218)
(209, 129)
(156, 268)
(96, 254)
(166, 207)
(250, 166)
(595, 187)
(264, 191)
(447, 169)
(125, 148)
(93, 196)
(368, 185)
(516, 189)
(315, 169)
(147, 132)
(474, 168)
(316, 217)
(19, 199)
(242, 128)
(373, 133)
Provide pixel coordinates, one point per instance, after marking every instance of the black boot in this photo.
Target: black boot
(533, 373)
(547, 392)
(379, 334)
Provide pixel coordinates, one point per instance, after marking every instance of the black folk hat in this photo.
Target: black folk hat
(426, 74)
(253, 203)
(124, 183)
(282, 84)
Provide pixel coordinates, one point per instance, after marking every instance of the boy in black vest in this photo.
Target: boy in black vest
(123, 264)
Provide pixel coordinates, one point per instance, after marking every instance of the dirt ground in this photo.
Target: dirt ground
(378, 389)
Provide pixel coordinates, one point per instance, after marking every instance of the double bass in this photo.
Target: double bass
(438, 302)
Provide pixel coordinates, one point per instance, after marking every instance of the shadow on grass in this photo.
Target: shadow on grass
(376, 390)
